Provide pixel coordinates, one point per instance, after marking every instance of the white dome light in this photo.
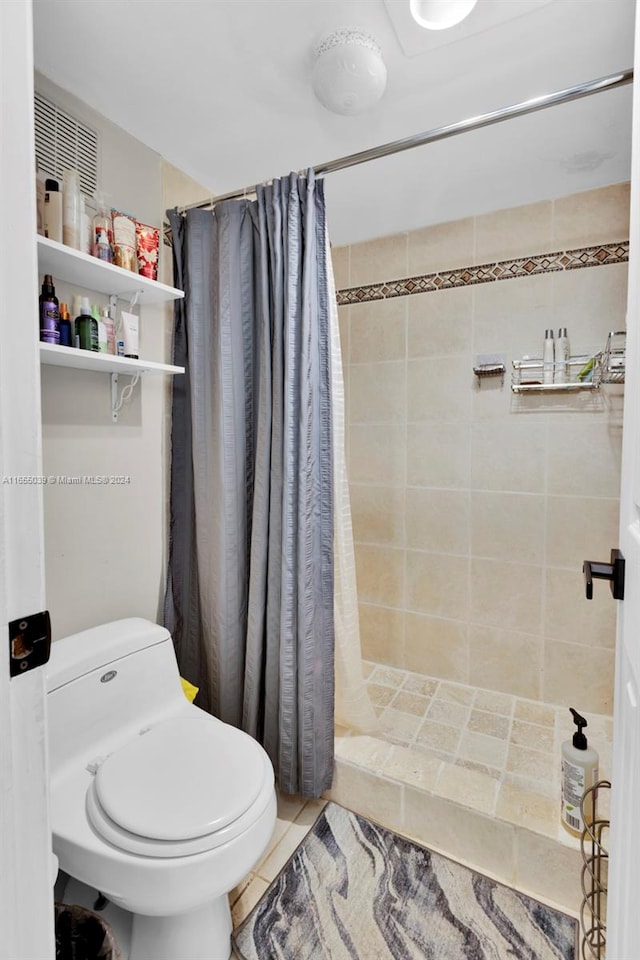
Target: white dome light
(349, 74)
(440, 14)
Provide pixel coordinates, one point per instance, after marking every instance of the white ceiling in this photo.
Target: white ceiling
(222, 89)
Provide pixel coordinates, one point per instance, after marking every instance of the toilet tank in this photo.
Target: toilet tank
(106, 683)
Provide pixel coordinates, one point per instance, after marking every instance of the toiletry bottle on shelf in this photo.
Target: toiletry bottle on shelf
(66, 329)
(562, 357)
(110, 327)
(49, 312)
(579, 773)
(86, 328)
(548, 357)
(52, 210)
(72, 209)
(102, 231)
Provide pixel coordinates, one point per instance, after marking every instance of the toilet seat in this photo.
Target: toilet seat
(182, 787)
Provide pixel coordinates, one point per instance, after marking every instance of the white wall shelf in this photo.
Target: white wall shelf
(83, 270)
(101, 362)
(79, 269)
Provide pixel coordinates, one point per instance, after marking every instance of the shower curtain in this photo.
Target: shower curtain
(250, 585)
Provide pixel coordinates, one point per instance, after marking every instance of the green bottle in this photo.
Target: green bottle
(86, 328)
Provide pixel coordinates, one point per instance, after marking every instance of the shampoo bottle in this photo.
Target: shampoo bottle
(66, 333)
(579, 773)
(548, 357)
(562, 356)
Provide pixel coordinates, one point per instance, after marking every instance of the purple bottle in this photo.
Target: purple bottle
(49, 312)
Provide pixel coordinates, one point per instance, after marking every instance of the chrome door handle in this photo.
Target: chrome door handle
(613, 572)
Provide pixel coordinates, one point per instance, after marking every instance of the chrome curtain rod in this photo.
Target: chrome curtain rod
(610, 82)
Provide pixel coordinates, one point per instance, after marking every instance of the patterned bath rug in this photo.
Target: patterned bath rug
(356, 891)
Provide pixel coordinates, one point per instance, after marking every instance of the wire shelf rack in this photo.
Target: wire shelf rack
(595, 857)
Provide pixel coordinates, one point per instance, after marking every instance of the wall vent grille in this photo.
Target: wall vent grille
(64, 143)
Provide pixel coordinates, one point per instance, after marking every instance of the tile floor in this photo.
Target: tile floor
(295, 818)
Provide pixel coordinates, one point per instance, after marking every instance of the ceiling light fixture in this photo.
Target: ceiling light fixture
(440, 14)
(349, 74)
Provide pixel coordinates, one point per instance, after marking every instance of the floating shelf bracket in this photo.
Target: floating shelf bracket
(117, 402)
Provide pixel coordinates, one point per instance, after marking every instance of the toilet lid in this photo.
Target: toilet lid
(184, 778)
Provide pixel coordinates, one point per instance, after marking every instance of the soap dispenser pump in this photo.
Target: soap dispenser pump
(579, 773)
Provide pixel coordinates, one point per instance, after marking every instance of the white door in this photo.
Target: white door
(26, 895)
(623, 916)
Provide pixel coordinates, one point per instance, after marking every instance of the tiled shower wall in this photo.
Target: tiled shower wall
(474, 507)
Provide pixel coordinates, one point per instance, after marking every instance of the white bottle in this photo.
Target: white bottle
(548, 357)
(579, 773)
(562, 356)
(71, 210)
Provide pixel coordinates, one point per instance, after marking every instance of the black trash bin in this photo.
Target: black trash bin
(82, 934)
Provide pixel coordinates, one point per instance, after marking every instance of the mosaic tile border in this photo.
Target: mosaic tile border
(596, 256)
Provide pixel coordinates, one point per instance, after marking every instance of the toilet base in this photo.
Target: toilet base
(202, 934)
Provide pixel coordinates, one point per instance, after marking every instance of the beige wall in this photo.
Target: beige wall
(105, 546)
(473, 507)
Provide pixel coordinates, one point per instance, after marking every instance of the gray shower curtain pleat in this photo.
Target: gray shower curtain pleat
(250, 580)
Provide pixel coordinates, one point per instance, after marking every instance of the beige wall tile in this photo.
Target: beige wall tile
(595, 447)
(472, 838)
(364, 751)
(508, 457)
(513, 233)
(436, 647)
(439, 325)
(368, 793)
(590, 303)
(469, 787)
(378, 330)
(548, 870)
(437, 520)
(380, 574)
(438, 455)
(438, 390)
(381, 634)
(578, 675)
(377, 454)
(377, 392)
(505, 660)
(340, 261)
(594, 216)
(506, 595)
(437, 584)
(377, 514)
(413, 767)
(526, 808)
(508, 524)
(378, 260)
(441, 247)
(568, 617)
(580, 528)
(510, 316)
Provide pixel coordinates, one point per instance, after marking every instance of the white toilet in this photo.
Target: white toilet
(156, 804)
